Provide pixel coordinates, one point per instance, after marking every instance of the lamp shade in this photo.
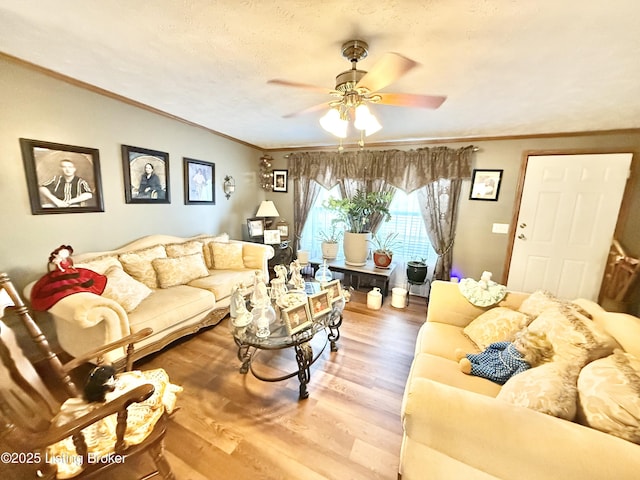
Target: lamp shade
(267, 209)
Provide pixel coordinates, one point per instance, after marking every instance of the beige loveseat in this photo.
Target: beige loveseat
(173, 285)
(464, 427)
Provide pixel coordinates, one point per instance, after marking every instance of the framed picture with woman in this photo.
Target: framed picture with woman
(146, 175)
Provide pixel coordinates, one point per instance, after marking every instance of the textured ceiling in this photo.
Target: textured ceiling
(508, 67)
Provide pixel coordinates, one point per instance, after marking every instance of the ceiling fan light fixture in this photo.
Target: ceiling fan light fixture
(333, 124)
(366, 121)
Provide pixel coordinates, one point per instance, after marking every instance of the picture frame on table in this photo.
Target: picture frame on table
(319, 303)
(199, 182)
(297, 318)
(146, 175)
(283, 227)
(271, 237)
(50, 166)
(255, 226)
(485, 185)
(334, 288)
(281, 181)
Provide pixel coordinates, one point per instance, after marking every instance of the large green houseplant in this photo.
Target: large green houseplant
(355, 213)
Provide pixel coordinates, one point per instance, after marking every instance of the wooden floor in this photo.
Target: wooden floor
(233, 426)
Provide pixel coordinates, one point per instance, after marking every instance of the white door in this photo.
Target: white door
(567, 216)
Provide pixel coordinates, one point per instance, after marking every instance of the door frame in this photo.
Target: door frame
(625, 205)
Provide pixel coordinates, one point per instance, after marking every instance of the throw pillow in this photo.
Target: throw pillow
(540, 300)
(575, 338)
(100, 264)
(138, 264)
(549, 388)
(253, 255)
(226, 256)
(125, 290)
(179, 270)
(609, 393)
(496, 325)
(206, 251)
(182, 249)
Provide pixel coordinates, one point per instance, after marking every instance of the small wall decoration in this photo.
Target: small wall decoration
(146, 175)
(297, 318)
(62, 178)
(334, 289)
(319, 303)
(255, 226)
(485, 184)
(280, 180)
(266, 173)
(199, 182)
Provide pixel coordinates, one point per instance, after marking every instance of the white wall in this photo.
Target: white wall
(40, 107)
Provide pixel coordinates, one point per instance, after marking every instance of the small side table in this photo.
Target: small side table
(283, 255)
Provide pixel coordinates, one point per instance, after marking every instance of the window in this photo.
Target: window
(405, 219)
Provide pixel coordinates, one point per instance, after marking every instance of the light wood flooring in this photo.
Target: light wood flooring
(233, 426)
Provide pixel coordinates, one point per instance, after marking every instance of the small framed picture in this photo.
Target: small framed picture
(334, 289)
(485, 185)
(297, 318)
(319, 303)
(283, 228)
(280, 180)
(255, 227)
(61, 178)
(199, 182)
(146, 175)
(271, 236)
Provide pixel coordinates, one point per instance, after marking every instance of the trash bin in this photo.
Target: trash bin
(398, 297)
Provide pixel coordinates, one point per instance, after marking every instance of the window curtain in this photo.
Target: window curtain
(305, 193)
(439, 206)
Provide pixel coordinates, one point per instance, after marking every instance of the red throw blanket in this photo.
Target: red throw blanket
(58, 284)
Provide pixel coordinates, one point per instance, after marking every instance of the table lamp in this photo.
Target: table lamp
(268, 211)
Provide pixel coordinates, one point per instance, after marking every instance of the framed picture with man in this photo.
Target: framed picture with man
(62, 178)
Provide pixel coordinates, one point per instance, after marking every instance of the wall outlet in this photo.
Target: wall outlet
(500, 228)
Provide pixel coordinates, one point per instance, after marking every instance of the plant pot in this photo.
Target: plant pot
(356, 248)
(416, 272)
(330, 250)
(381, 259)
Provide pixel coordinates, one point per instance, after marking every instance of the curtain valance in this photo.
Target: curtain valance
(406, 170)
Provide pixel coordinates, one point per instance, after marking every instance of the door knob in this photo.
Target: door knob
(522, 237)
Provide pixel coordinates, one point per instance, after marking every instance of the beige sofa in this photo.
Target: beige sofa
(174, 285)
(458, 426)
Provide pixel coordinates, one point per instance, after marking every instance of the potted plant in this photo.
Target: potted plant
(356, 214)
(330, 239)
(417, 271)
(383, 249)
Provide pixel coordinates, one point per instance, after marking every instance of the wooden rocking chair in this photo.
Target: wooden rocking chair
(27, 407)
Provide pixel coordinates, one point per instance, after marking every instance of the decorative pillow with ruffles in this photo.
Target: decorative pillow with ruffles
(539, 301)
(206, 250)
(124, 289)
(496, 325)
(227, 256)
(100, 264)
(182, 249)
(609, 393)
(179, 270)
(138, 264)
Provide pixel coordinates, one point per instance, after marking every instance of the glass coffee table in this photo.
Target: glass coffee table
(325, 327)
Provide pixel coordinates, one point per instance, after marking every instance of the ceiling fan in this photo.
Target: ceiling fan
(357, 88)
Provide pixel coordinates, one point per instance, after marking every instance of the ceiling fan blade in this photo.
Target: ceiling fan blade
(286, 83)
(386, 71)
(312, 109)
(411, 100)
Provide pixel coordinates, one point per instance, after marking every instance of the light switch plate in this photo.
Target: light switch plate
(500, 228)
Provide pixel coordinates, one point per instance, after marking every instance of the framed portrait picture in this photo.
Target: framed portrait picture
(319, 303)
(283, 228)
(255, 227)
(485, 184)
(146, 175)
(62, 178)
(199, 182)
(334, 289)
(297, 318)
(271, 236)
(280, 180)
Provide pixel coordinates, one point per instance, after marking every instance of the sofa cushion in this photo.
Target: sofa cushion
(496, 325)
(446, 371)
(100, 264)
(574, 336)
(124, 289)
(609, 392)
(182, 249)
(206, 250)
(442, 340)
(253, 255)
(179, 270)
(168, 306)
(548, 388)
(221, 282)
(540, 300)
(226, 256)
(138, 264)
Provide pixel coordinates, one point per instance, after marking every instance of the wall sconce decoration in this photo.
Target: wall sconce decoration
(266, 173)
(229, 186)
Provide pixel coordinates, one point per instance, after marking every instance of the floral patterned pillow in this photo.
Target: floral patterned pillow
(124, 289)
(496, 325)
(609, 392)
(179, 270)
(138, 264)
(182, 249)
(549, 388)
(226, 256)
